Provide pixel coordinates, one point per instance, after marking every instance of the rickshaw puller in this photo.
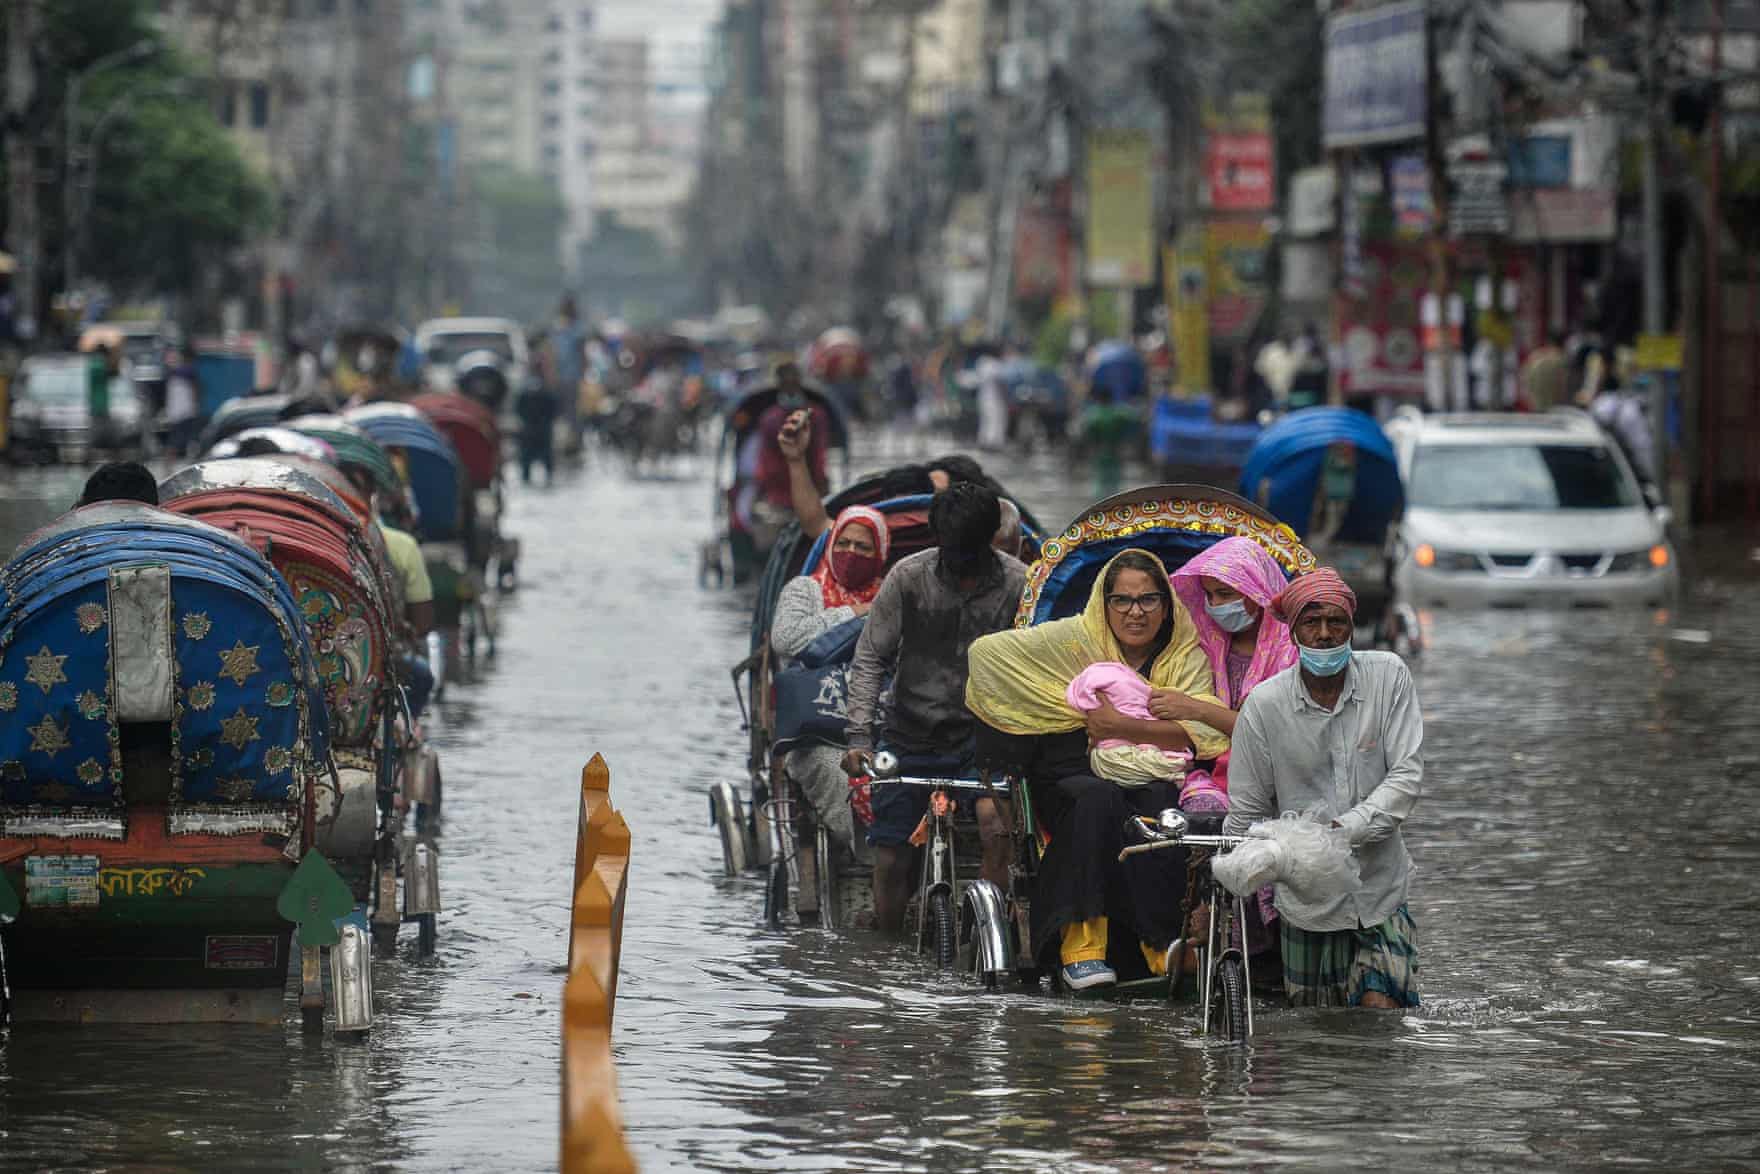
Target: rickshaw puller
(930, 608)
(1340, 730)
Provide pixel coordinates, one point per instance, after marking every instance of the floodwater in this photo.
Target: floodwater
(1586, 904)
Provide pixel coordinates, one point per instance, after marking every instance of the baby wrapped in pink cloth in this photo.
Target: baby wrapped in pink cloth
(1129, 764)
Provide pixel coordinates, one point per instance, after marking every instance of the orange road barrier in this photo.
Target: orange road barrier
(592, 1125)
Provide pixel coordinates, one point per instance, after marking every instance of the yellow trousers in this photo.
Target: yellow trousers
(1085, 941)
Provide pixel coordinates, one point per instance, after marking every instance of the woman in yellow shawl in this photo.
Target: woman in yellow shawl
(1017, 685)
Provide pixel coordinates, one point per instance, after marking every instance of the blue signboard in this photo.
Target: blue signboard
(1540, 161)
(1376, 76)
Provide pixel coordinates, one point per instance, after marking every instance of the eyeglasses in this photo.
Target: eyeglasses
(1125, 604)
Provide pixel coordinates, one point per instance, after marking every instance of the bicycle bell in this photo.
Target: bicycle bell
(1173, 824)
(885, 764)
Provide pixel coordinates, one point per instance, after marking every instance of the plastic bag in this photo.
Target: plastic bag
(1299, 851)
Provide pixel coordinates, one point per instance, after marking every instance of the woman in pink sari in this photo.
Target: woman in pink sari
(1228, 591)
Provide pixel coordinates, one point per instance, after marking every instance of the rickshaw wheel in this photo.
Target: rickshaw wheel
(1231, 1001)
(941, 925)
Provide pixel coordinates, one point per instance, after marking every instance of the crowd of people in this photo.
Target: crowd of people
(1220, 688)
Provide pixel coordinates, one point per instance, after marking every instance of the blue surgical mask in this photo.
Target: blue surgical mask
(1325, 662)
(1232, 616)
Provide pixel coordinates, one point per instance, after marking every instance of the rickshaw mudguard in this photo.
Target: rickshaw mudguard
(137, 619)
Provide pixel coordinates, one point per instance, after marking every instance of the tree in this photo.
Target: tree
(172, 200)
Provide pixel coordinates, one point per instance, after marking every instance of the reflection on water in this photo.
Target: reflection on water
(1585, 909)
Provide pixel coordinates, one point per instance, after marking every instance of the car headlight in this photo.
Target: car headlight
(1627, 562)
(1456, 561)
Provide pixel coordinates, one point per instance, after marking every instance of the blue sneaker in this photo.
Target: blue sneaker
(1081, 976)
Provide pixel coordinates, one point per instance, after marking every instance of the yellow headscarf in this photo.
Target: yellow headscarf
(1018, 678)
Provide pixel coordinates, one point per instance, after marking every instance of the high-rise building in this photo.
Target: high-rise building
(567, 112)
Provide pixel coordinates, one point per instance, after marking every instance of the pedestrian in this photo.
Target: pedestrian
(183, 409)
(1545, 375)
(1313, 372)
(536, 408)
(1339, 734)
(568, 346)
(992, 405)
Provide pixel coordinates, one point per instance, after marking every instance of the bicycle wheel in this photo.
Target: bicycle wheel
(941, 925)
(776, 893)
(1228, 1010)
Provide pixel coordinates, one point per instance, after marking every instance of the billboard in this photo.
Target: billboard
(1121, 209)
(1239, 168)
(1376, 76)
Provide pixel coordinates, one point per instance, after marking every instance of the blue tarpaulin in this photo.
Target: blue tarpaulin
(1283, 471)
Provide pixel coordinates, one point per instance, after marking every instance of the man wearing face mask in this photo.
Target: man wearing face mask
(1340, 731)
(929, 610)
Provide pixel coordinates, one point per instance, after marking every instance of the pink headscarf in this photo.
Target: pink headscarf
(1249, 568)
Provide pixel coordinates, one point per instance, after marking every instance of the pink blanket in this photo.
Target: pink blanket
(1129, 694)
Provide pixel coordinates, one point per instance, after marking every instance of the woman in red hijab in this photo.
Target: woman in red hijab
(839, 589)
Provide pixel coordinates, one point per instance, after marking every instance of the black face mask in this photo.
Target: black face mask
(963, 565)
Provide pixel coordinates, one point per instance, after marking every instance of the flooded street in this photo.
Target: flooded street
(1586, 849)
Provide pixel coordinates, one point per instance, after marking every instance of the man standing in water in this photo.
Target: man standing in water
(1339, 731)
(931, 607)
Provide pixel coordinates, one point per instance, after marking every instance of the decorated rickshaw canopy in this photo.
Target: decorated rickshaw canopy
(121, 613)
(470, 428)
(1173, 522)
(432, 465)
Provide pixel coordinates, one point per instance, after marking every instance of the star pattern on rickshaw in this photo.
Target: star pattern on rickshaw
(239, 730)
(235, 790)
(91, 706)
(48, 738)
(45, 669)
(197, 625)
(91, 617)
(239, 663)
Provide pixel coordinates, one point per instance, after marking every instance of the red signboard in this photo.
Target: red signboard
(1238, 165)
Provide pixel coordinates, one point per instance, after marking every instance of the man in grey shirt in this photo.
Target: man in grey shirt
(931, 607)
(1339, 732)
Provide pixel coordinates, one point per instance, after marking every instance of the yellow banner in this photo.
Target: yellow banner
(1121, 209)
(1188, 297)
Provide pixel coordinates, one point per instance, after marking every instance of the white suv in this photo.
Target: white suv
(1524, 510)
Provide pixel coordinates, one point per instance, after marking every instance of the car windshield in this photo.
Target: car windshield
(450, 348)
(1519, 477)
(62, 384)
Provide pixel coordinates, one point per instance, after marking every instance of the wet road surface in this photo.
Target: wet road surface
(1586, 909)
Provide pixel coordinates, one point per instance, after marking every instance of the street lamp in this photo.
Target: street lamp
(135, 52)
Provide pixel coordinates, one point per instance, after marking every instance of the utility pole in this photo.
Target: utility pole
(1081, 105)
(1655, 293)
(23, 227)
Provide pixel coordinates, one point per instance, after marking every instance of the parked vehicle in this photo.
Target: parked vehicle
(444, 341)
(51, 413)
(1513, 510)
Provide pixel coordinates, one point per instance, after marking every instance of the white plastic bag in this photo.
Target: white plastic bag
(1299, 851)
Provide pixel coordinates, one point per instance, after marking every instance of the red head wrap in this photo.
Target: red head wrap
(1321, 585)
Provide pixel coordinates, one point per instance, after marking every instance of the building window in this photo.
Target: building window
(584, 18)
(326, 7)
(552, 88)
(552, 121)
(228, 105)
(586, 148)
(259, 105)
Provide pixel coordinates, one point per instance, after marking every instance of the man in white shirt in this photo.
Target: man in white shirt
(1339, 731)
